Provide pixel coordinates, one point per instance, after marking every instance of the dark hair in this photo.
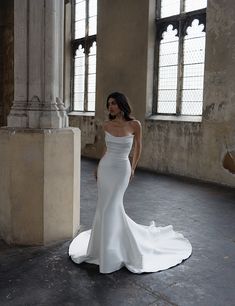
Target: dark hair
(123, 104)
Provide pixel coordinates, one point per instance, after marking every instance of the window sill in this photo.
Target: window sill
(86, 114)
(175, 118)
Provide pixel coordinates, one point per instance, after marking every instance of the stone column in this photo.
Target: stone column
(39, 154)
(18, 114)
(38, 44)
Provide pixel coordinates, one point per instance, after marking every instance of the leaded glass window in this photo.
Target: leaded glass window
(84, 55)
(179, 57)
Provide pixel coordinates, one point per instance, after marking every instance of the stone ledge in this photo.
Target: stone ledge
(39, 131)
(175, 118)
(85, 114)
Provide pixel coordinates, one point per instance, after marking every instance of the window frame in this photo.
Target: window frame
(86, 42)
(179, 22)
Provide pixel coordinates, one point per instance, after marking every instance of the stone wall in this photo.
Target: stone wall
(6, 58)
(125, 63)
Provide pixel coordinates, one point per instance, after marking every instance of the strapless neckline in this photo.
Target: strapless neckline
(131, 135)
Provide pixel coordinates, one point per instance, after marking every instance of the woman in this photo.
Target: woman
(115, 240)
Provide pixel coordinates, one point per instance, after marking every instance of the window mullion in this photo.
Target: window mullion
(156, 73)
(86, 83)
(180, 70)
(86, 50)
(87, 18)
(158, 8)
(180, 63)
(182, 6)
(72, 57)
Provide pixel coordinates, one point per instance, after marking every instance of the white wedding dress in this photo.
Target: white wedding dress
(115, 240)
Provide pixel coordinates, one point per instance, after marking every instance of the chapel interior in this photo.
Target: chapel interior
(59, 60)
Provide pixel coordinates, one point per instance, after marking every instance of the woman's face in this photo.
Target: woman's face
(113, 107)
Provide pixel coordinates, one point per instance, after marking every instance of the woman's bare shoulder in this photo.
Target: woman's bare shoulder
(135, 123)
(136, 126)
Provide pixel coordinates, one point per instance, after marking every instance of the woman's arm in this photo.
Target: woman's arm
(104, 151)
(137, 146)
(96, 169)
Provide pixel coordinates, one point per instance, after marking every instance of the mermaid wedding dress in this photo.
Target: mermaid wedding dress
(115, 240)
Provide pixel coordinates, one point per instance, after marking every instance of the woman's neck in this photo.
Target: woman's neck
(119, 118)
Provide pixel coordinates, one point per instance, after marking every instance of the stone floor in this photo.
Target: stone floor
(204, 213)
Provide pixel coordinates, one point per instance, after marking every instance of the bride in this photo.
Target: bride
(115, 240)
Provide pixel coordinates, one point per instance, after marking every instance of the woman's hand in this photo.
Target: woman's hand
(132, 174)
(136, 125)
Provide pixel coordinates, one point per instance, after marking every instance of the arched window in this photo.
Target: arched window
(179, 57)
(84, 55)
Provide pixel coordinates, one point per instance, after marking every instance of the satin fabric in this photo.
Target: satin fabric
(115, 240)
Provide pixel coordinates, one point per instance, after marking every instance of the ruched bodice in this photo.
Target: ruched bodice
(118, 147)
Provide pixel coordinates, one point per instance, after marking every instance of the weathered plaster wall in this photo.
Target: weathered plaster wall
(122, 31)
(125, 63)
(6, 58)
(88, 132)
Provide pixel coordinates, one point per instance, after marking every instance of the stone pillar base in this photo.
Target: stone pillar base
(39, 185)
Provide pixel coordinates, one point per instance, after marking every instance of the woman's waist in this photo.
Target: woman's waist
(117, 155)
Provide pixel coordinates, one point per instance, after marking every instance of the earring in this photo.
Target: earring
(122, 112)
